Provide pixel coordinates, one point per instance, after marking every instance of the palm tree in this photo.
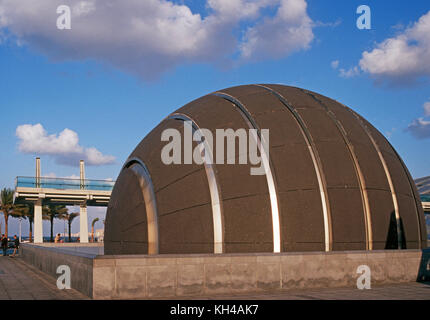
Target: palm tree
(92, 228)
(30, 217)
(52, 211)
(25, 211)
(69, 217)
(6, 205)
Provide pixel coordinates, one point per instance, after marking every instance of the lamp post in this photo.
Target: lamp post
(20, 220)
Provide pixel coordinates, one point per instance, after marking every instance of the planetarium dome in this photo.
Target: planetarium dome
(332, 182)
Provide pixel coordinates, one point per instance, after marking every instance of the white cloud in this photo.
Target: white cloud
(345, 73)
(149, 37)
(335, 24)
(53, 175)
(419, 128)
(351, 72)
(238, 8)
(288, 31)
(404, 57)
(64, 147)
(426, 107)
(50, 175)
(73, 176)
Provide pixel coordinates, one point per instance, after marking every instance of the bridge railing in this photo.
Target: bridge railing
(425, 197)
(64, 183)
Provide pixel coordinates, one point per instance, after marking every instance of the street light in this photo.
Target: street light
(20, 220)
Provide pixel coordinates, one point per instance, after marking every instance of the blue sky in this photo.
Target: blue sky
(93, 81)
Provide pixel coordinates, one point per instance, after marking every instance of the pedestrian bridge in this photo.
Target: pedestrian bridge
(69, 192)
(81, 192)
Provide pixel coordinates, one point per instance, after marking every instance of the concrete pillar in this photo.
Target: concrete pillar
(38, 225)
(82, 173)
(83, 219)
(38, 172)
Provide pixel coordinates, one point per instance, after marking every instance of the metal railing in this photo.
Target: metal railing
(64, 183)
(425, 197)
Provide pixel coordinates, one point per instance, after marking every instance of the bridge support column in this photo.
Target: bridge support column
(83, 218)
(38, 225)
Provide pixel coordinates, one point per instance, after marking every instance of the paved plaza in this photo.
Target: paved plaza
(406, 291)
(20, 281)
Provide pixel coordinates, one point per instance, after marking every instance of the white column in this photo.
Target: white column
(82, 173)
(38, 172)
(83, 219)
(38, 225)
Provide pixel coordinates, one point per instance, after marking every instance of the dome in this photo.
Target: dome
(331, 182)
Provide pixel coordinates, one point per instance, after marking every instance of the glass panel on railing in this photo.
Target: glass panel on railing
(64, 184)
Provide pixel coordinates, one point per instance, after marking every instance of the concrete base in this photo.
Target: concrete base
(163, 276)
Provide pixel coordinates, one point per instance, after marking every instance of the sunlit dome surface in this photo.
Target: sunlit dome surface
(333, 183)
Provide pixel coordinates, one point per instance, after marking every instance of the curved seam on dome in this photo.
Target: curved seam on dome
(147, 189)
(276, 225)
(357, 168)
(214, 190)
(413, 194)
(387, 174)
(316, 163)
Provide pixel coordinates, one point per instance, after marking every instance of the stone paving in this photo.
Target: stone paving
(20, 281)
(405, 291)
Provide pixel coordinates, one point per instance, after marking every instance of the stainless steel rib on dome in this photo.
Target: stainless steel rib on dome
(216, 203)
(316, 163)
(144, 178)
(246, 115)
(357, 168)
(387, 174)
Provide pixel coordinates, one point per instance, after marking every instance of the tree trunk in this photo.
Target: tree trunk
(52, 229)
(6, 218)
(30, 235)
(92, 234)
(70, 231)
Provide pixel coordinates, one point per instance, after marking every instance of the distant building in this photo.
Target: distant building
(423, 186)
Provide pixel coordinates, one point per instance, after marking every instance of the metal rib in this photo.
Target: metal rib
(217, 216)
(322, 185)
(417, 201)
(359, 173)
(387, 174)
(266, 165)
(141, 171)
